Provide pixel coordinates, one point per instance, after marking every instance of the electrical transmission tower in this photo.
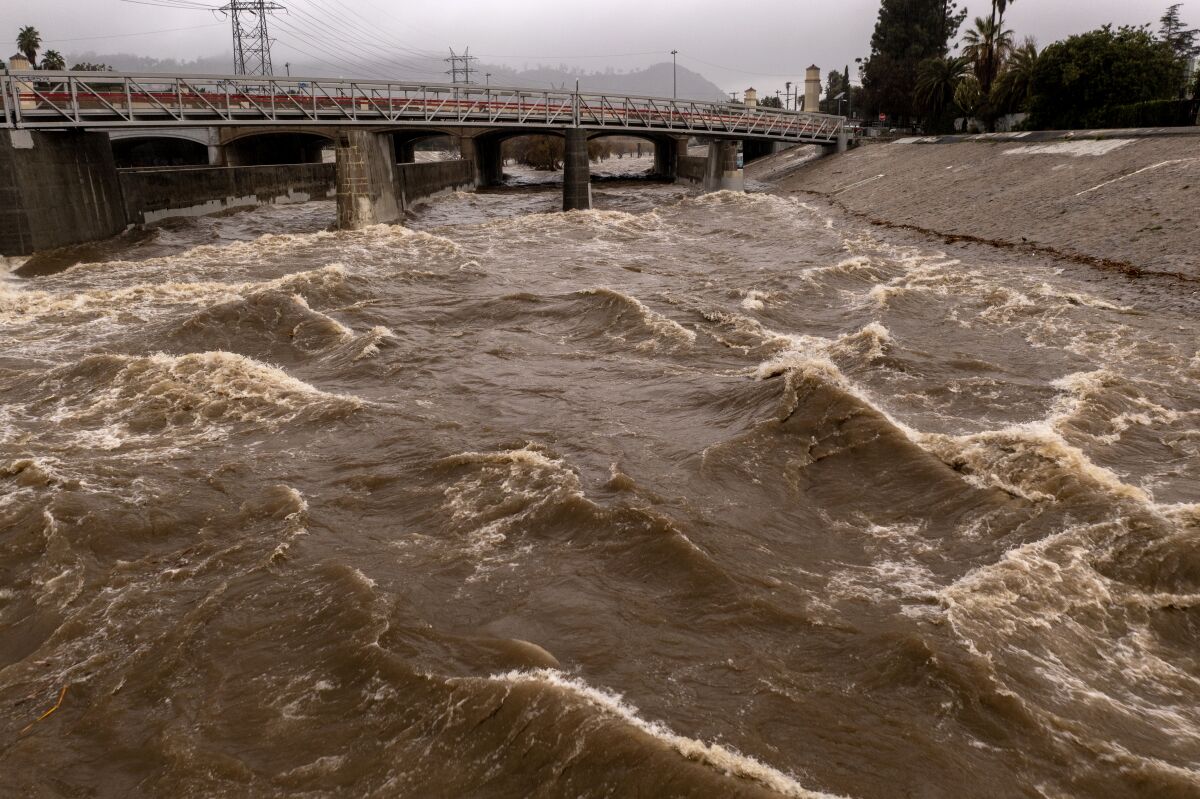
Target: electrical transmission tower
(251, 43)
(460, 66)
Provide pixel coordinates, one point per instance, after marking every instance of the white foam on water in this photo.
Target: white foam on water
(755, 300)
(129, 399)
(1086, 635)
(371, 341)
(815, 354)
(666, 328)
(720, 758)
(498, 498)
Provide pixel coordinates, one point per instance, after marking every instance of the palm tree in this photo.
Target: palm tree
(28, 42)
(1012, 89)
(937, 81)
(987, 46)
(53, 60)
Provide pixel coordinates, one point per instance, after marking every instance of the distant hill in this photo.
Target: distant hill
(653, 80)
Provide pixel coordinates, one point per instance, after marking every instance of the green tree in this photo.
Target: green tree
(1174, 32)
(907, 33)
(28, 42)
(1076, 81)
(770, 102)
(838, 83)
(53, 60)
(1181, 40)
(88, 66)
(969, 96)
(1013, 88)
(937, 82)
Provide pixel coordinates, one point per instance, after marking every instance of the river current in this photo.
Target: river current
(727, 495)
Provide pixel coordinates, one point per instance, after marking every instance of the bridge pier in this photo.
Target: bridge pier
(722, 173)
(366, 179)
(666, 158)
(484, 154)
(577, 177)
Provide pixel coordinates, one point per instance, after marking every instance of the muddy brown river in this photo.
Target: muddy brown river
(693, 496)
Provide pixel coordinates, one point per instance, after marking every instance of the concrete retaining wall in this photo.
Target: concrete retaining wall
(153, 194)
(56, 189)
(415, 182)
(691, 168)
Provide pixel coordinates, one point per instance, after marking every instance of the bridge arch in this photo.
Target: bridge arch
(159, 149)
(406, 141)
(271, 147)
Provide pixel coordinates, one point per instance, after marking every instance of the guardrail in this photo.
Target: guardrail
(48, 100)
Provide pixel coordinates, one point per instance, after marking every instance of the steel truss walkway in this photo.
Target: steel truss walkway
(58, 100)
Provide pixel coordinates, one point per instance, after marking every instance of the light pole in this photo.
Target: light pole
(487, 79)
(674, 76)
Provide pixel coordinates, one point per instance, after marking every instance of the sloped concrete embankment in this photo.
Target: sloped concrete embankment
(1127, 200)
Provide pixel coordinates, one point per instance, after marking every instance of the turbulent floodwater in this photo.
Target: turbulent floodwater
(713, 496)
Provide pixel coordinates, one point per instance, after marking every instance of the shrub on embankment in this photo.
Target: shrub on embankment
(1106, 74)
(1153, 114)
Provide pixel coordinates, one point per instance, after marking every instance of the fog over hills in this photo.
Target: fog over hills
(652, 80)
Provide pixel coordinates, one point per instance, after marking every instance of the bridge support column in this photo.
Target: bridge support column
(57, 189)
(484, 154)
(577, 178)
(666, 158)
(843, 142)
(366, 179)
(722, 173)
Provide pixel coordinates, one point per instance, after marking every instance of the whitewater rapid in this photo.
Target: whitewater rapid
(720, 495)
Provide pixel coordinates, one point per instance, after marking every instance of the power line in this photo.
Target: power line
(317, 34)
(352, 36)
(734, 69)
(139, 33)
(173, 4)
(574, 57)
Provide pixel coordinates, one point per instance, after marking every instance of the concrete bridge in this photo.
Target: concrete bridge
(373, 126)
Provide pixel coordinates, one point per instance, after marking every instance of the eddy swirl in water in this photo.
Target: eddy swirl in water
(702, 496)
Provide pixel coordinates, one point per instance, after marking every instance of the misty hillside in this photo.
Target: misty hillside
(652, 80)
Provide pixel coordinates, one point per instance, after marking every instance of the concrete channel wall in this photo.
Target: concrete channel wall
(56, 189)
(63, 188)
(416, 182)
(152, 194)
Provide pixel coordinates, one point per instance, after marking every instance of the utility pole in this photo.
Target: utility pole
(674, 75)
(251, 42)
(288, 66)
(487, 79)
(788, 94)
(460, 65)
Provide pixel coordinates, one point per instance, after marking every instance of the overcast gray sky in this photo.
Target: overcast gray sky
(735, 45)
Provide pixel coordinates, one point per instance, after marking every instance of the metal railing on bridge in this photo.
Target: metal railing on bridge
(50, 100)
